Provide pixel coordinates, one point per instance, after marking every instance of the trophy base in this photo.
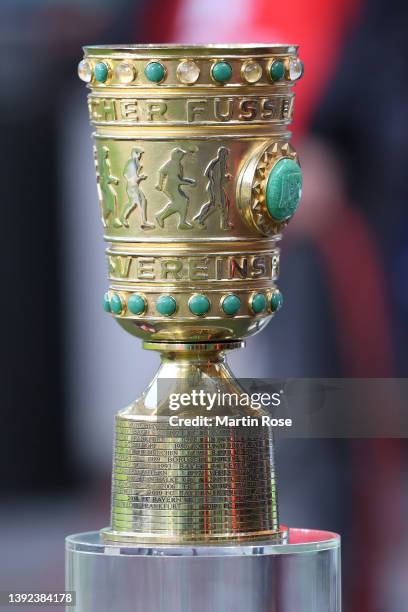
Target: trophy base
(302, 574)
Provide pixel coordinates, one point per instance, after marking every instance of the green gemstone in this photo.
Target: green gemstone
(231, 304)
(283, 189)
(277, 70)
(116, 304)
(155, 72)
(106, 303)
(136, 304)
(276, 301)
(199, 305)
(258, 303)
(166, 305)
(222, 72)
(101, 72)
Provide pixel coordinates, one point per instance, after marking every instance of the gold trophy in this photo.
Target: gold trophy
(196, 180)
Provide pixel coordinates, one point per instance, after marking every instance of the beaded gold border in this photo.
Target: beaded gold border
(171, 67)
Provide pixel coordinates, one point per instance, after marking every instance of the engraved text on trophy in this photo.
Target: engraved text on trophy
(211, 268)
(276, 107)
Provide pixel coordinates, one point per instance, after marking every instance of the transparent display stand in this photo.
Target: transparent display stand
(302, 575)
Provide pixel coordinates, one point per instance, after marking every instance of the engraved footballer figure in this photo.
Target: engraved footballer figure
(108, 184)
(134, 176)
(171, 180)
(218, 177)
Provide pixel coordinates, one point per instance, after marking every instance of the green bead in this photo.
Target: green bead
(258, 303)
(106, 303)
(283, 189)
(155, 72)
(199, 305)
(166, 305)
(116, 304)
(276, 301)
(222, 72)
(277, 70)
(231, 304)
(136, 304)
(101, 72)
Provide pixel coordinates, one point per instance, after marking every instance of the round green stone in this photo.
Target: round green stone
(101, 72)
(166, 305)
(231, 304)
(116, 304)
(276, 301)
(136, 304)
(277, 70)
(283, 189)
(155, 72)
(222, 72)
(199, 305)
(106, 303)
(258, 303)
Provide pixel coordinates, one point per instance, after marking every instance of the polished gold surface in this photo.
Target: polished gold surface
(191, 484)
(187, 140)
(181, 171)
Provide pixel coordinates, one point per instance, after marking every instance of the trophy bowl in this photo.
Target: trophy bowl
(196, 179)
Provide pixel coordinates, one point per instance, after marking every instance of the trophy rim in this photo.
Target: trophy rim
(202, 49)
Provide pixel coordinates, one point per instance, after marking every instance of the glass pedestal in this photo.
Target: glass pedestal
(302, 575)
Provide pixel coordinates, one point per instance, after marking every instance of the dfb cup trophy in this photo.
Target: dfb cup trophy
(196, 180)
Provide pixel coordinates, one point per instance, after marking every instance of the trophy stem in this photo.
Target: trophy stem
(181, 473)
